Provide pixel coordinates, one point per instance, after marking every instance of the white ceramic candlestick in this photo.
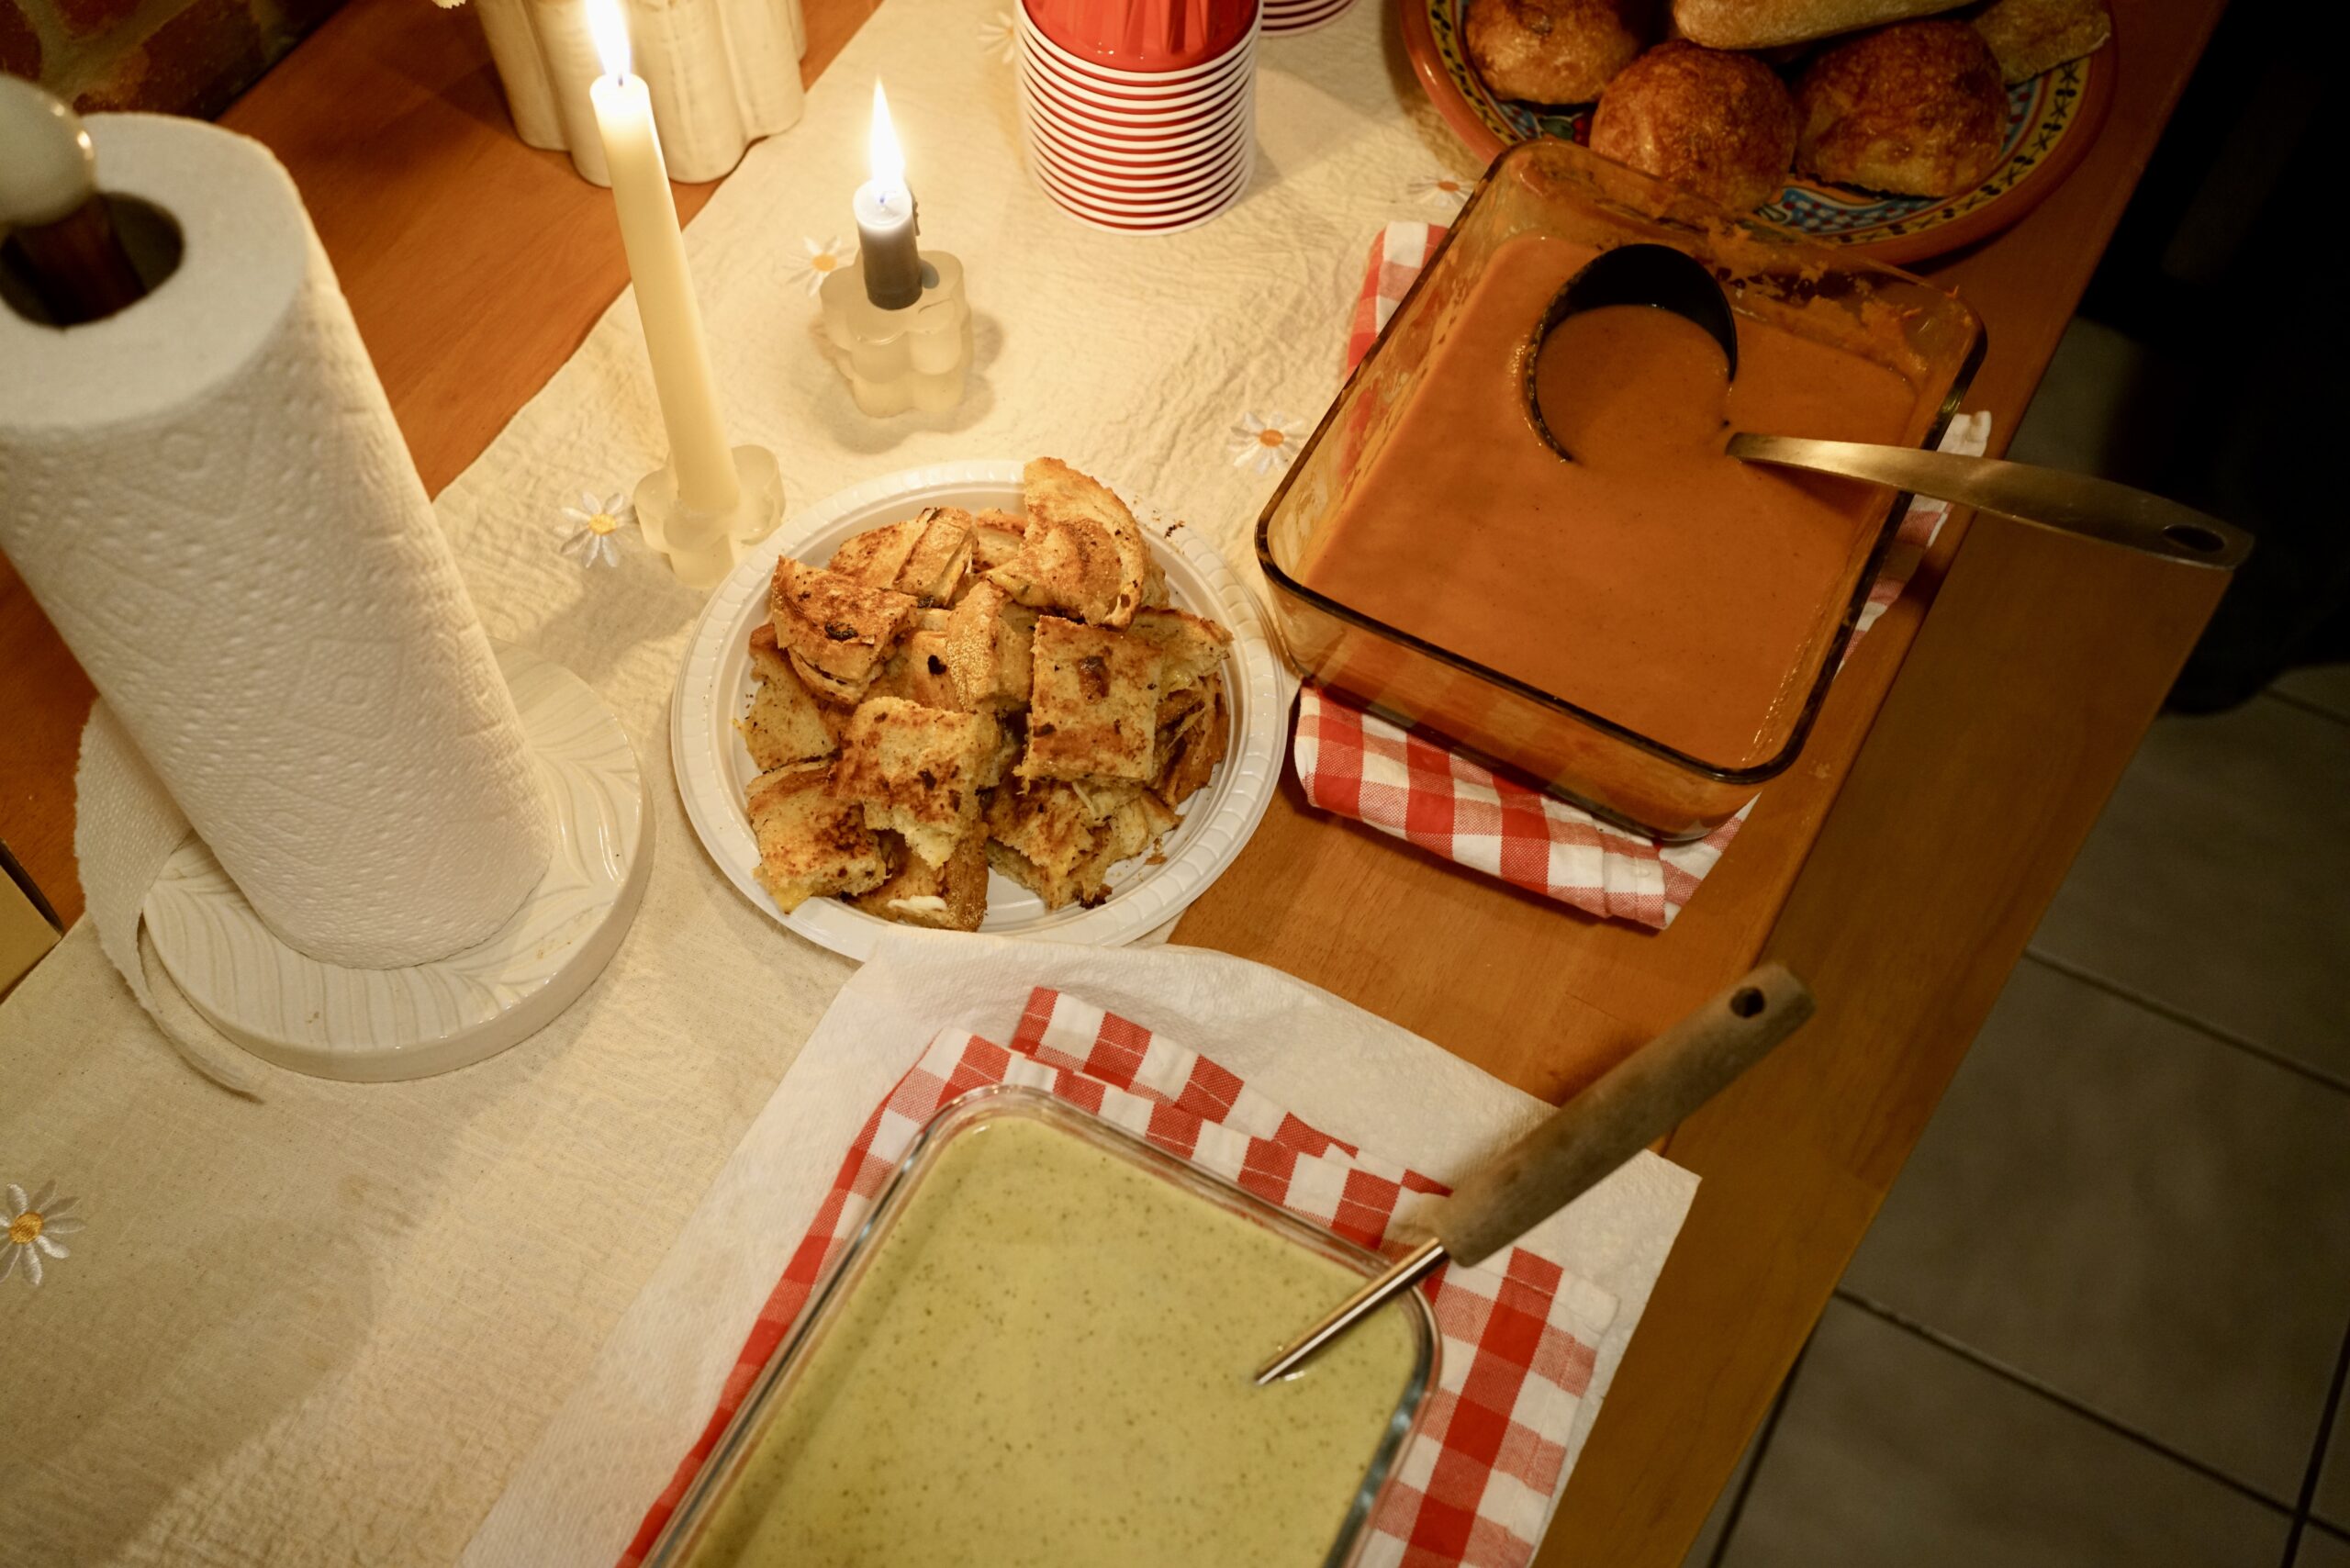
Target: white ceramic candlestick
(710, 499)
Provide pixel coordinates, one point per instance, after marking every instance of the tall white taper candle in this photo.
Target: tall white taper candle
(703, 464)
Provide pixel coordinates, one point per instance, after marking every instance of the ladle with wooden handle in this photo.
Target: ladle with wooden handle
(1666, 279)
(1640, 1100)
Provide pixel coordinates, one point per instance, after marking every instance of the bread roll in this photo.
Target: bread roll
(1765, 24)
(1721, 124)
(2028, 36)
(1917, 109)
(1553, 52)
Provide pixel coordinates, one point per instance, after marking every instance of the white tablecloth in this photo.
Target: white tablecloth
(326, 1326)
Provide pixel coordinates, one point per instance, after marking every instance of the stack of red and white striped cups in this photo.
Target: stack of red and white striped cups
(1141, 114)
(1301, 16)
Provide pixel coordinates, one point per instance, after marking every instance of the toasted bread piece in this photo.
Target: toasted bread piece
(811, 840)
(837, 631)
(1036, 834)
(1093, 703)
(989, 642)
(996, 538)
(918, 673)
(939, 561)
(783, 725)
(948, 897)
(836, 717)
(1191, 647)
(1048, 839)
(876, 556)
(916, 771)
(2028, 36)
(930, 678)
(1102, 799)
(1083, 555)
(1190, 749)
(1126, 833)
(924, 557)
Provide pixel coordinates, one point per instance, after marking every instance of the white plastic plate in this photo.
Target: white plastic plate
(714, 688)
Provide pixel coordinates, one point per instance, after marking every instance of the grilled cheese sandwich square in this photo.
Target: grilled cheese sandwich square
(836, 630)
(1093, 704)
(1037, 836)
(1191, 647)
(924, 557)
(1190, 748)
(951, 897)
(783, 725)
(989, 646)
(811, 840)
(1048, 837)
(917, 771)
(1081, 553)
(996, 539)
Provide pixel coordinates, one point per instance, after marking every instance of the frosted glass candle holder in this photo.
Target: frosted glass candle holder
(702, 547)
(897, 360)
(722, 73)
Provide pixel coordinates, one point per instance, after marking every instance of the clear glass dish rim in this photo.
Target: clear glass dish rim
(974, 1107)
(1814, 701)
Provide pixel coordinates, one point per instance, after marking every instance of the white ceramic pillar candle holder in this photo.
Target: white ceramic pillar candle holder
(722, 73)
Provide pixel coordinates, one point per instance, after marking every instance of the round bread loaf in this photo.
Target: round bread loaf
(1917, 109)
(1552, 52)
(1721, 124)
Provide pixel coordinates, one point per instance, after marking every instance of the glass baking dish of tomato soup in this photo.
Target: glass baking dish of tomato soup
(1039, 1349)
(1648, 630)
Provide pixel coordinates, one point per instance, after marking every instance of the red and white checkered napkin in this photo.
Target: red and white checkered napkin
(1404, 783)
(1520, 1334)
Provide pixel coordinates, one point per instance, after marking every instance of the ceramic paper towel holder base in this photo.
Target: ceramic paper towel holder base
(379, 1025)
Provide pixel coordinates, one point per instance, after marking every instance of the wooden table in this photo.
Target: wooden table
(1900, 866)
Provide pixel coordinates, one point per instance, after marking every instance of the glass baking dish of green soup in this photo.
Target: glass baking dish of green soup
(1038, 1350)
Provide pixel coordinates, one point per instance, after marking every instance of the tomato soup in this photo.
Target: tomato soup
(1652, 581)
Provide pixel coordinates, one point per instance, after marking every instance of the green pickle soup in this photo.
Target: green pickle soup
(1047, 1362)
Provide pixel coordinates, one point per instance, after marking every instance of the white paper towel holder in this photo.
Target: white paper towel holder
(379, 1025)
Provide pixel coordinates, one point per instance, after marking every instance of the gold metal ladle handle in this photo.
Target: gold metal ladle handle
(2049, 497)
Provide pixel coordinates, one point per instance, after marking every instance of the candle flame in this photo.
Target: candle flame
(610, 29)
(888, 161)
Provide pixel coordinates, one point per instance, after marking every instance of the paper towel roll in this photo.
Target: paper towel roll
(208, 494)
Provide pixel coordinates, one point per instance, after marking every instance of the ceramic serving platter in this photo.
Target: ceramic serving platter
(715, 683)
(2051, 121)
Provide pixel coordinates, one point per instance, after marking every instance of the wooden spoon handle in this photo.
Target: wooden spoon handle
(1643, 1097)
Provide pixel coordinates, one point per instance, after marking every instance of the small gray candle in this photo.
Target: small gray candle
(886, 222)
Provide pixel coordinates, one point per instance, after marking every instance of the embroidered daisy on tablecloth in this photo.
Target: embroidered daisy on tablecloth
(34, 1226)
(588, 533)
(998, 37)
(1446, 191)
(1265, 443)
(824, 257)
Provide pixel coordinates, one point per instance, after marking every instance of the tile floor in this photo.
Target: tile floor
(2105, 1315)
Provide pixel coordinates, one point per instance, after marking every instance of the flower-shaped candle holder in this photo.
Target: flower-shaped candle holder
(897, 360)
(704, 544)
